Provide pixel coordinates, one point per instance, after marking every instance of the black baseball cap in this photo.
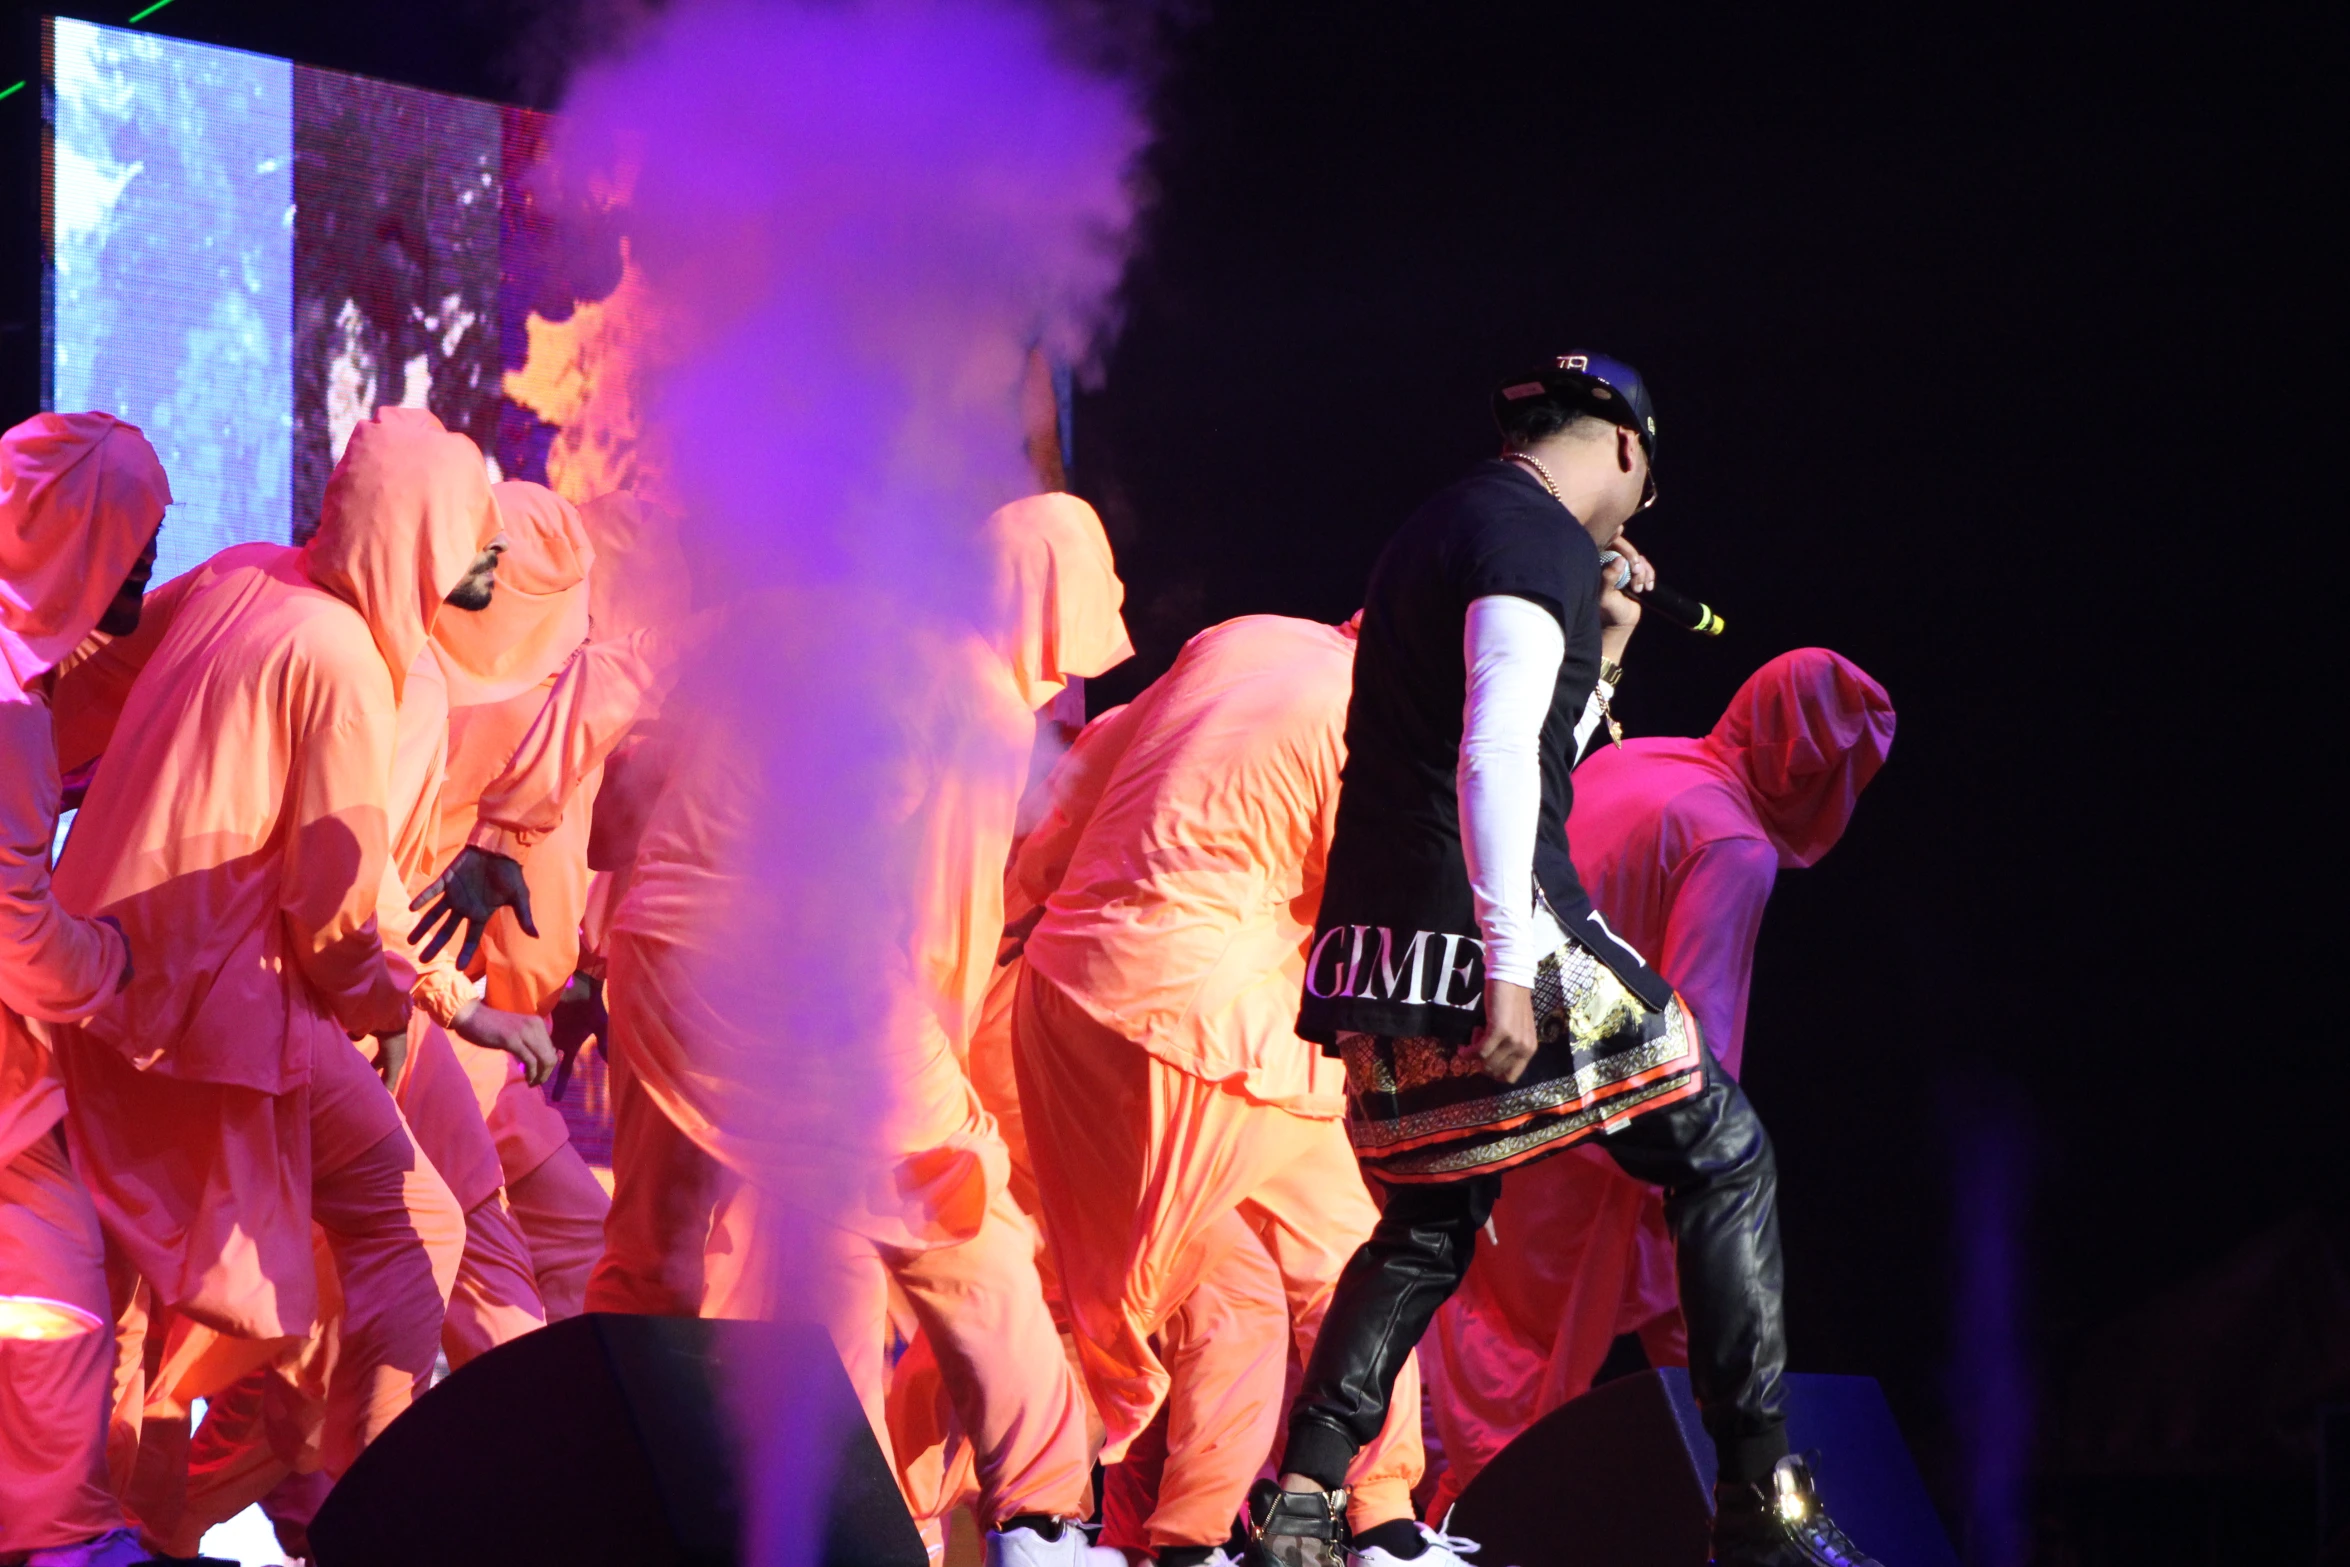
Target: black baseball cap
(1592, 383)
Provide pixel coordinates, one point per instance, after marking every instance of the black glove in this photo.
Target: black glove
(578, 1017)
(475, 886)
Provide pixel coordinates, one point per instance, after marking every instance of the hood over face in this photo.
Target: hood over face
(1805, 733)
(539, 612)
(406, 511)
(80, 495)
(644, 580)
(1057, 594)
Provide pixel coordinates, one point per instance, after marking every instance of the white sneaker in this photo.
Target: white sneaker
(1024, 1547)
(1444, 1550)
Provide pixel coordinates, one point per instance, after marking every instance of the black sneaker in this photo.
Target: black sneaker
(1780, 1523)
(1295, 1528)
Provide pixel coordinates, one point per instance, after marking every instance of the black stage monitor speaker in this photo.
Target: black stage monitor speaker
(1624, 1477)
(598, 1440)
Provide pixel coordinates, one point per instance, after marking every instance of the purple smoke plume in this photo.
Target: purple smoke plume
(858, 220)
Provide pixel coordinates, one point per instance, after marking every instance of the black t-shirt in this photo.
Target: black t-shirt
(1396, 948)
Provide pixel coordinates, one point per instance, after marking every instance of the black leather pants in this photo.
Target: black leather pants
(1713, 1159)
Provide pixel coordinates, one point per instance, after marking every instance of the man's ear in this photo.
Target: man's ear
(1624, 442)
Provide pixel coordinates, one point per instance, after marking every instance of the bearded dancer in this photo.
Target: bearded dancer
(502, 666)
(261, 1438)
(1678, 843)
(1487, 626)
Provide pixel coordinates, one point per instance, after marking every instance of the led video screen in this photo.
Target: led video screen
(247, 256)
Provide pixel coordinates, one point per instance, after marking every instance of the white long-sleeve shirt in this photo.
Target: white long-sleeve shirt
(1513, 648)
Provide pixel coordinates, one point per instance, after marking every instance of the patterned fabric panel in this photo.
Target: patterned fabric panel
(1422, 1109)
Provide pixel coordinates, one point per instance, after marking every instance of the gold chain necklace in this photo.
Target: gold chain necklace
(1540, 472)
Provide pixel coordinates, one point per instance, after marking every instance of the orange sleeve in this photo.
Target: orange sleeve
(95, 679)
(1076, 785)
(438, 988)
(526, 974)
(53, 966)
(606, 687)
(337, 850)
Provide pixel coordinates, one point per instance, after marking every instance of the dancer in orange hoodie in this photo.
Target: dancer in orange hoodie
(267, 1427)
(503, 665)
(1678, 842)
(81, 499)
(526, 787)
(239, 830)
(1199, 1192)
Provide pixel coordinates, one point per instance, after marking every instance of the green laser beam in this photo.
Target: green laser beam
(150, 11)
(19, 87)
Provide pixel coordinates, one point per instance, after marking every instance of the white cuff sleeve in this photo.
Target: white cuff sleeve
(1513, 648)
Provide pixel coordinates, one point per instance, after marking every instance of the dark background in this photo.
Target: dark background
(1996, 351)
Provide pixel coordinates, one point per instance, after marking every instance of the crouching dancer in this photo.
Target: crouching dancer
(1487, 626)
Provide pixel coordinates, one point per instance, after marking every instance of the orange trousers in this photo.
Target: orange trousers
(264, 1427)
(678, 1242)
(495, 1297)
(550, 1190)
(560, 1206)
(53, 1392)
(394, 1236)
(1006, 1380)
(319, 1402)
(1226, 1350)
(1153, 1182)
(665, 1192)
(269, 1425)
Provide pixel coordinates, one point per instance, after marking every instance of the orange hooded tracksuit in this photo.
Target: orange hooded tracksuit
(501, 664)
(267, 1426)
(80, 496)
(1199, 1193)
(239, 827)
(934, 1227)
(1678, 842)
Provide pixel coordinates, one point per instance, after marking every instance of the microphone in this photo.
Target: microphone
(1674, 605)
(1681, 610)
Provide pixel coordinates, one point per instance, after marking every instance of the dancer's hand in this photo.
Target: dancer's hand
(74, 786)
(475, 886)
(520, 1035)
(108, 919)
(579, 1016)
(391, 1056)
(1505, 1042)
(1016, 934)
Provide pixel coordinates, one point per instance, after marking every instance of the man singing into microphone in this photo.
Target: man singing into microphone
(1486, 1014)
